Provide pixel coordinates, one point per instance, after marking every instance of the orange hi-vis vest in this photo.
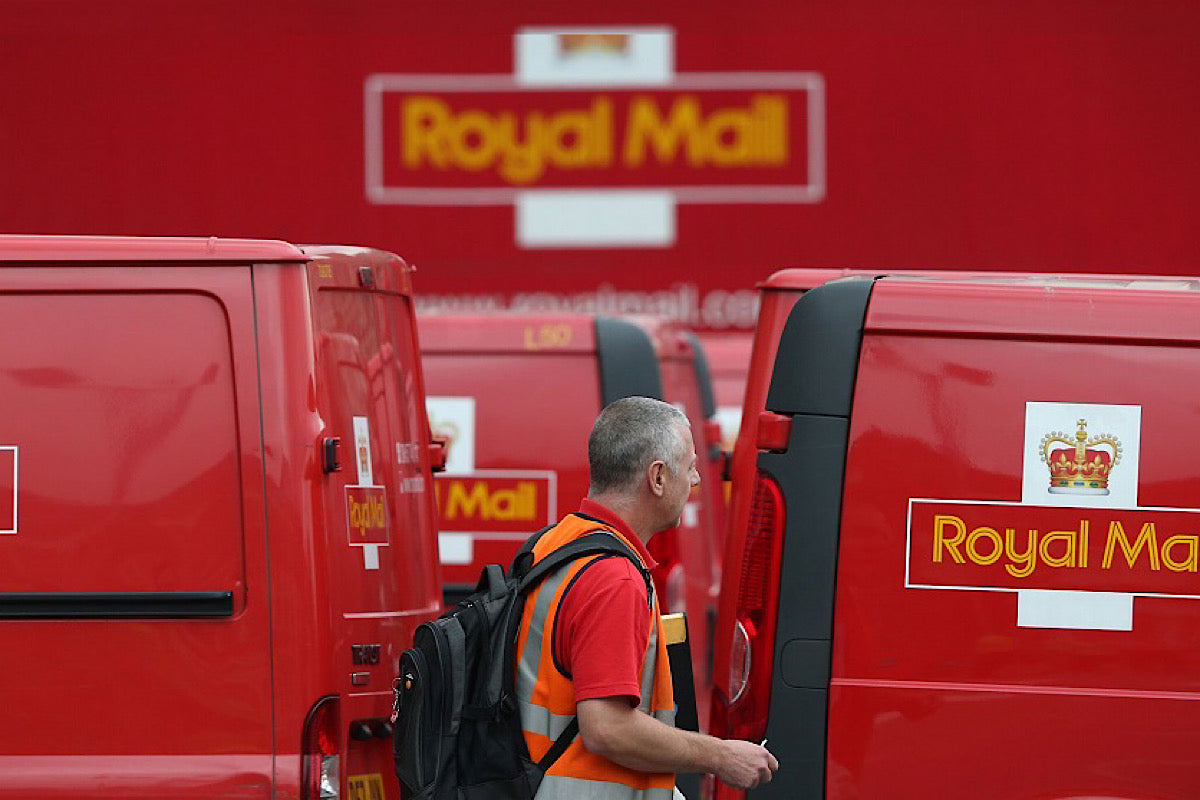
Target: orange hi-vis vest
(547, 698)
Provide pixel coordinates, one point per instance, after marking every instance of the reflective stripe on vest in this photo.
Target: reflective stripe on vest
(547, 699)
(584, 789)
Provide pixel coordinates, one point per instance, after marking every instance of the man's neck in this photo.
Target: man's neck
(627, 509)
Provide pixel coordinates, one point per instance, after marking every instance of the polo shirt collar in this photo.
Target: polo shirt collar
(594, 511)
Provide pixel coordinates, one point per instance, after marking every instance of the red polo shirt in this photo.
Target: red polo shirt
(603, 623)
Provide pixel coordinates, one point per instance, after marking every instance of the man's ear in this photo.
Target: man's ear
(656, 477)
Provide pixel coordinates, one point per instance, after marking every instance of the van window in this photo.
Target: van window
(370, 397)
(121, 469)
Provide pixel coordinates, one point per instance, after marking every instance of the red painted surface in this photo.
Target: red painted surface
(922, 652)
(1048, 136)
(168, 417)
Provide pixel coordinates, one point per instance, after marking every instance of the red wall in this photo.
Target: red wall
(1053, 135)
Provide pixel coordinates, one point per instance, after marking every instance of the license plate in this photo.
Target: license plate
(365, 787)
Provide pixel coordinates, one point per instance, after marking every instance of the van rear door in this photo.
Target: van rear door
(383, 576)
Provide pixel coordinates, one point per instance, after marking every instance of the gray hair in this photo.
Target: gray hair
(628, 436)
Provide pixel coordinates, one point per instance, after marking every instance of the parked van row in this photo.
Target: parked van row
(219, 511)
(962, 559)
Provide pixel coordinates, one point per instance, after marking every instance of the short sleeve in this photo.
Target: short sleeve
(602, 630)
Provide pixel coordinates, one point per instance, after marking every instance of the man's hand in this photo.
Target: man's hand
(745, 765)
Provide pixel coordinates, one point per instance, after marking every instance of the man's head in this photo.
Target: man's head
(643, 462)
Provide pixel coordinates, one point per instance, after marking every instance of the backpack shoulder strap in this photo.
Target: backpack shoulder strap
(523, 560)
(598, 542)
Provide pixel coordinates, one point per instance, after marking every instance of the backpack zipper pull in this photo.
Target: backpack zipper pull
(396, 689)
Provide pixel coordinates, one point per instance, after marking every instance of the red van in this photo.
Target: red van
(216, 517)
(516, 396)
(971, 566)
(728, 355)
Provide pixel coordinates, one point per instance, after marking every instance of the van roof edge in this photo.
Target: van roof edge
(45, 248)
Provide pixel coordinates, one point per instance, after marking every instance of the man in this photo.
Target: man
(591, 644)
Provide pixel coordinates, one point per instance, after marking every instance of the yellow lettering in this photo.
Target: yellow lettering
(477, 139)
(521, 161)
(526, 504)
(371, 514)
(423, 123)
(991, 535)
(518, 503)
(575, 138)
(459, 501)
(1147, 538)
(547, 336)
(647, 127)
(1067, 559)
(520, 147)
(940, 523)
(728, 137)
(1025, 559)
(771, 111)
(513, 504)
(1189, 545)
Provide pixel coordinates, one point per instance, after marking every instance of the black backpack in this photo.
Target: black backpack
(457, 724)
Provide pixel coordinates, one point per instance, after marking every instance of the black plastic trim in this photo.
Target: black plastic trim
(708, 402)
(115, 605)
(817, 359)
(628, 364)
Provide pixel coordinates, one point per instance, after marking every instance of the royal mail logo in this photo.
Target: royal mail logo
(1077, 549)
(1011, 546)
(645, 139)
(367, 515)
(1083, 463)
(497, 501)
(717, 138)
(594, 138)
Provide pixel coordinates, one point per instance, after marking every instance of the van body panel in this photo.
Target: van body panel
(1059, 663)
(165, 424)
(131, 411)
(1056, 691)
(517, 418)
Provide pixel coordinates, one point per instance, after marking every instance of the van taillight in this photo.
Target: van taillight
(742, 712)
(321, 767)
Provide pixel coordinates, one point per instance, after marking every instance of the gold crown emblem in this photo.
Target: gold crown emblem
(1083, 464)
